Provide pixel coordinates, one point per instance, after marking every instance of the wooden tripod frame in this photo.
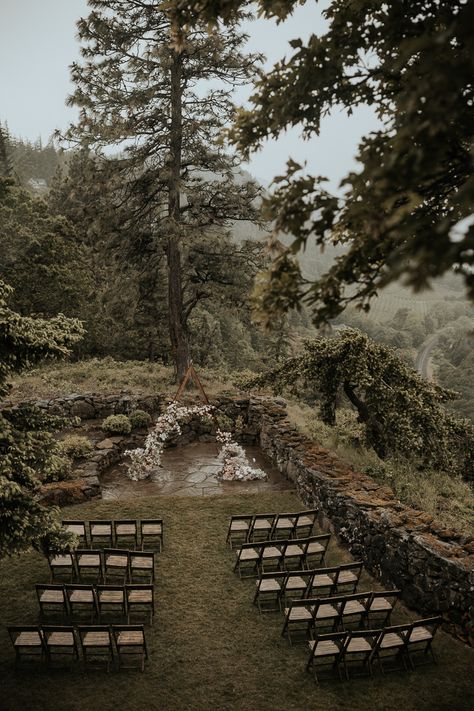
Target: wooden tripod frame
(191, 373)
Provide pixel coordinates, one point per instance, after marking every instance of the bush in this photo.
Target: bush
(59, 468)
(140, 418)
(117, 424)
(76, 447)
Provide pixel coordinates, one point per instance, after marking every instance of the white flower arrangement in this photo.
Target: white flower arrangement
(144, 461)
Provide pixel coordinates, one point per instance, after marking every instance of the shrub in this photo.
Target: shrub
(140, 418)
(117, 424)
(75, 446)
(59, 468)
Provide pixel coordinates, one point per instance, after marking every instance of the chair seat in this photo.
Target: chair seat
(354, 608)
(142, 563)
(296, 583)
(130, 638)
(96, 639)
(239, 526)
(346, 576)
(249, 554)
(88, 560)
(61, 560)
(420, 634)
(60, 639)
(140, 596)
(117, 561)
(358, 645)
(75, 528)
(293, 551)
(325, 648)
(326, 612)
(380, 604)
(28, 639)
(315, 547)
(391, 640)
(262, 525)
(101, 530)
(269, 585)
(322, 581)
(271, 552)
(126, 529)
(116, 596)
(152, 529)
(55, 596)
(284, 523)
(85, 596)
(299, 613)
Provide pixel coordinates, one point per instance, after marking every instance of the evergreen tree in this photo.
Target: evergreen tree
(136, 87)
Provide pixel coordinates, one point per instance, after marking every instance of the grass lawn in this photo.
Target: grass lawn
(210, 649)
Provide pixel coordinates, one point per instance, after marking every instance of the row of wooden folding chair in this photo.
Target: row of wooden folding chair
(103, 564)
(257, 527)
(275, 588)
(94, 644)
(71, 600)
(338, 611)
(296, 552)
(131, 532)
(406, 645)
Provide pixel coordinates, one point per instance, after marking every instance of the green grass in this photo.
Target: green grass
(210, 649)
(105, 375)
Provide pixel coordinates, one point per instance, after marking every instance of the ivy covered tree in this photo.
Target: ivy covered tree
(403, 414)
(407, 213)
(28, 450)
(165, 104)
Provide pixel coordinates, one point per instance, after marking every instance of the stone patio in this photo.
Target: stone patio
(190, 471)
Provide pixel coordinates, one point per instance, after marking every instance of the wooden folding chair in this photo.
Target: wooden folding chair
(323, 582)
(316, 550)
(60, 643)
(239, 527)
(381, 606)
(140, 599)
(78, 528)
(305, 522)
(273, 553)
(142, 564)
(248, 556)
(51, 600)
(296, 584)
(392, 644)
(268, 591)
(111, 599)
(284, 525)
(130, 642)
(126, 533)
(325, 650)
(28, 643)
(295, 552)
(96, 645)
(101, 531)
(420, 641)
(152, 531)
(326, 612)
(261, 527)
(298, 618)
(353, 609)
(358, 650)
(80, 599)
(116, 564)
(89, 562)
(60, 564)
(347, 578)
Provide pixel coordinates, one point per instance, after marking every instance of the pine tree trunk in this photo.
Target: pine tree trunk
(177, 322)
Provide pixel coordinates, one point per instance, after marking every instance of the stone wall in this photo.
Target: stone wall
(400, 546)
(91, 406)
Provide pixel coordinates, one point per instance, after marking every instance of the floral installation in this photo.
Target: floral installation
(235, 465)
(146, 460)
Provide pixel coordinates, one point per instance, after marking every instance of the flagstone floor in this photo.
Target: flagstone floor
(190, 471)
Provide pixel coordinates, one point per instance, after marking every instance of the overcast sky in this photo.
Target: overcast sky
(38, 43)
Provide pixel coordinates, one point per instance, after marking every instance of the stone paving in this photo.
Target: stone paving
(190, 471)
